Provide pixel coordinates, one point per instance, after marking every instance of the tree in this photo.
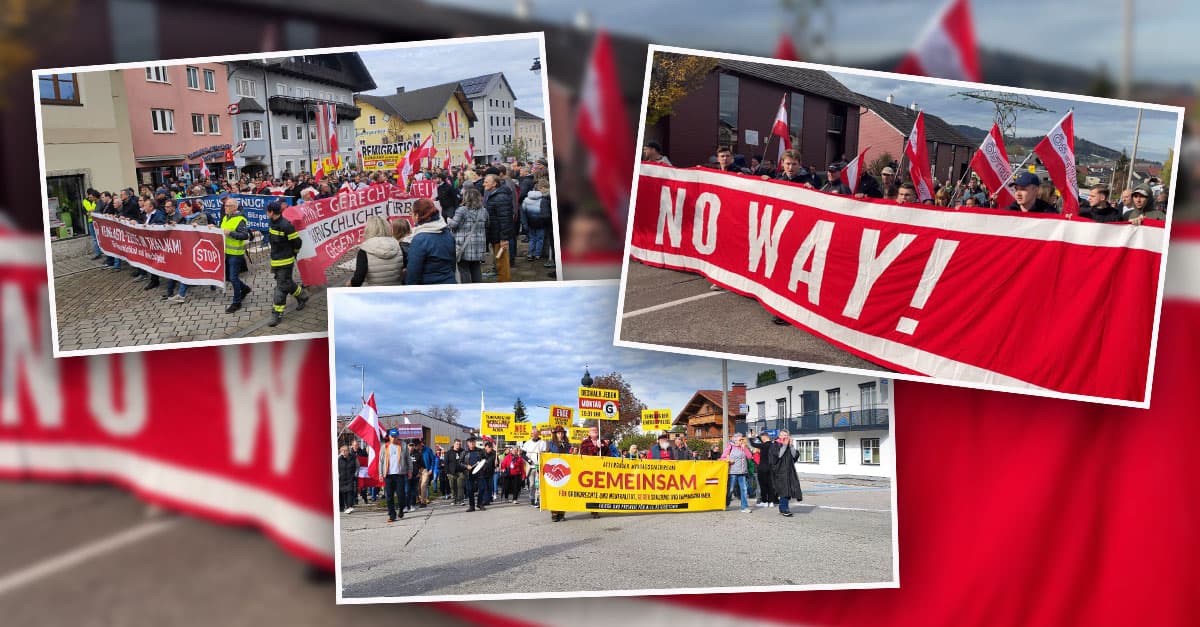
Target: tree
(673, 77)
(879, 163)
(767, 376)
(1120, 175)
(1166, 168)
(448, 413)
(519, 414)
(516, 149)
(629, 408)
(643, 441)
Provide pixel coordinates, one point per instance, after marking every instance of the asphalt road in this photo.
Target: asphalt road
(94, 555)
(716, 321)
(841, 533)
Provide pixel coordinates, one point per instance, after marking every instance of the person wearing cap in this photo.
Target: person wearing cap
(1143, 207)
(395, 467)
(473, 460)
(652, 153)
(661, 450)
(887, 177)
(833, 181)
(285, 244)
(558, 444)
(681, 451)
(1026, 187)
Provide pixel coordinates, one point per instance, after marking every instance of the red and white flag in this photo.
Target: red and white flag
(331, 131)
(851, 174)
(991, 164)
(918, 159)
(603, 127)
(785, 50)
(318, 166)
(446, 163)
(322, 129)
(366, 426)
(947, 48)
(780, 129)
(452, 119)
(469, 153)
(1057, 152)
(204, 173)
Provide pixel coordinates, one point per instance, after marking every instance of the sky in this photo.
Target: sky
(414, 68)
(1107, 125)
(423, 348)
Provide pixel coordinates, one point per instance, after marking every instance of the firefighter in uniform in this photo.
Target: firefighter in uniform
(285, 243)
(237, 233)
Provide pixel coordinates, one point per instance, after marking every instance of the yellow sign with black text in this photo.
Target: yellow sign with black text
(561, 416)
(495, 424)
(519, 432)
(574, 483)
(575, 435)
(656, 420)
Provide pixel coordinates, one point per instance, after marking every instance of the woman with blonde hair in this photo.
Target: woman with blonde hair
(379, 259)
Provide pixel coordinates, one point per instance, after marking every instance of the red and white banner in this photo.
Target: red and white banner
(423, 189)
(983, 297)
(603, 128)
(780, 129)
(469, 153)
(991, 164)
(331, 227)
(1057, 152)
(331, 131)
(452, 120)
(246, 444)
(918, 159)
(366, 426)
(204, 173)
(194, 255)
(851, 174)
(947, 48)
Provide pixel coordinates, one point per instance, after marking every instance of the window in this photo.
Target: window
(781, 411)
(728, 110)
(809, 451)
(312, 131)
(162, 120)
(866, 395)
(251, 129)
(245, 88)
(197, 124)
(833, 399)
(308, 93)
(210, 80)
(841, 450)
(246, 129)
(157, 74)
(796, 116)
(371, 121)
(287, 166)
(193, 77)
(280, 89)
(299, 132)
(58, 89)
(762, 411)
(870, 451)
(214, 124)
(283, 131)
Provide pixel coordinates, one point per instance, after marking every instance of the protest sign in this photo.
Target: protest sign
(194, 255)
(561, 416)
(254, 206)
(385, 156)
(575, 435)
(495, 424)
(599, 404)
(577, 483)
(519, 432)
(330, 227)
(656, 419)
(979, 296)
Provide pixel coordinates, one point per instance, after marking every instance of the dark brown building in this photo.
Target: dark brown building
(701, 417)
(736, 106)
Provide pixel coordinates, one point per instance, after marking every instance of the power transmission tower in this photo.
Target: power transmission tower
(1007, 106)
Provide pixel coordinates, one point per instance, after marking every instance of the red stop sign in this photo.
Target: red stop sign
(206, 256)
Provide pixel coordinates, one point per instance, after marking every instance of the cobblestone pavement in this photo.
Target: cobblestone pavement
(101, 308)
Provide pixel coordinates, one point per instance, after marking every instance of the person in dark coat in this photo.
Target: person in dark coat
(782, 459)
(1097, 208)
(347, 476)
(448, 198)
(558, 444)
(498, 199)
(766, 494)
(431, 256)
(1025, 190)
(833, 182)
(455, 469)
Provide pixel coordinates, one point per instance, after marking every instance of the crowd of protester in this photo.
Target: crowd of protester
(475, 474)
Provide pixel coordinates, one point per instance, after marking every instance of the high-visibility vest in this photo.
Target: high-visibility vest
(88, 208)
(233, 246)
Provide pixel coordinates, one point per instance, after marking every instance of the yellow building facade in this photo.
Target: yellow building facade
(392, 125)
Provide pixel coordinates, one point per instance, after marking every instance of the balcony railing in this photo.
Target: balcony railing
(846, 419)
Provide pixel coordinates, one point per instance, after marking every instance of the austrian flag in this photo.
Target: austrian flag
(780, 128)
(366, 426)
(918, 159)
(851, 174)
(1057, 152)
(947, 48)
(991, 164)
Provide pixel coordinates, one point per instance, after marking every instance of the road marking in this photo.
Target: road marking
(78, 555)
(673, 303)
(847, 509)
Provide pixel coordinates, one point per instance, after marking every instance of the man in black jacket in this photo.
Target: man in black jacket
(766, 495)
(1097, 208)
(476, 481)
(447, 197)
(285, 244)
(791, 171)
(1025, 190)
(833, 181)
(455, 470)
(498, 200)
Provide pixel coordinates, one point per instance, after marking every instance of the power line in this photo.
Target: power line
(1007, 106)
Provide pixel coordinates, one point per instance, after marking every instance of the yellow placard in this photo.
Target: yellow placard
(519, 432)
(656, 419)
(599, 404)
(544, 426)
(575, 435)
(575, 483)
(441, 439)
(561, 416)
(495, 424)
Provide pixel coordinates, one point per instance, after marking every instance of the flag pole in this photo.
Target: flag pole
(992, 198)
(1133, 157)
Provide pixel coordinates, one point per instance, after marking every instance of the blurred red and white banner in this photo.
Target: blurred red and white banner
(192, 254)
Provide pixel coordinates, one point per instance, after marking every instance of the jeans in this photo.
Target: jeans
(537, 237)
(470, 271)
(172, 284)
(233, 268)
(95, 242)
(495, 488)
(740, 481)
(783, 504)
(414, 484)
(393, 486)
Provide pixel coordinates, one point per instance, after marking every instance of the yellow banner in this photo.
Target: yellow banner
(599, 404)
(495, 424)
(544, 426)
(575, 435)
(574, 483)
(561, 416)
(519, 432)
(656, 420)
(441, 439)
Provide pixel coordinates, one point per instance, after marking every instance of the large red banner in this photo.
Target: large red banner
(194, 255)
(988, 298)
(330, 227)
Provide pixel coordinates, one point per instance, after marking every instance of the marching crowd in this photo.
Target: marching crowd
(1032, 194)
(474, 473)
(483, 212)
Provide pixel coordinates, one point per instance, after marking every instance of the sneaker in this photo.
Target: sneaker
(149, 286)
(166, 297)
(716, 288)
(391, 520)
(233, 307)
(548, 264)
(177, 299)
(746, 510)
(787, 514)
(349, 510)
(470, 509)
(489, 275)
(781, 322)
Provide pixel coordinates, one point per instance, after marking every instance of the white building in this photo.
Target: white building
(531, 129)
(841, 423)
(494, 103)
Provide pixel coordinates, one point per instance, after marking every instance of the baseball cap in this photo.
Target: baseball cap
(393, 433)
(1026, 178)
(888, 171)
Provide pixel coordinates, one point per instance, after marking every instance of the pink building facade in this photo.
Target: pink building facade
(178, 115)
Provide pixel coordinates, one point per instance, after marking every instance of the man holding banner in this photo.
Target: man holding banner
(559, 445)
